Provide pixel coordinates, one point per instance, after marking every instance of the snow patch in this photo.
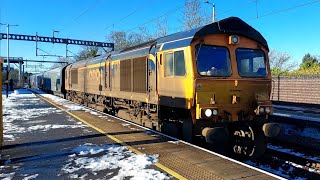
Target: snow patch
(118, 159)
(69, 105)
(303, 167)
(19, 106)
(8, 176)
(94, 113)
(53, 126)
(174, 142)
(279, 172)
(31, 177)
(290, 151)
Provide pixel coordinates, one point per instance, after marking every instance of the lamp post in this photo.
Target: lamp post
(8, 60)
(213, 7)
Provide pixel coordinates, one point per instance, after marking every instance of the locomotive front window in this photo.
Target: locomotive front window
(251, 63)
(213, 61)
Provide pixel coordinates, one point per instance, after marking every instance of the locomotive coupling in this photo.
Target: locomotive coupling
(215, 135)
(271, 129)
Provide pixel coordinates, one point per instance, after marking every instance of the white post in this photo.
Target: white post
(213, 9)
(8, 61)
(213, 13)
(20, 73)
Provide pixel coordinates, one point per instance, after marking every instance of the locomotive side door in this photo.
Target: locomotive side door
(107, 75)
(151, 82)
(69, 77)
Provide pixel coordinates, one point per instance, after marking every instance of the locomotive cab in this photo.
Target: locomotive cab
(215, 81)
(232, 92)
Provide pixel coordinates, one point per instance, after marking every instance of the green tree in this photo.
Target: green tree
(310, 65)
(309, 62)
(314, 70)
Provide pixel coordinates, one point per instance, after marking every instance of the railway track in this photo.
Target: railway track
(282, 163)
(289, 164)
(295, 152)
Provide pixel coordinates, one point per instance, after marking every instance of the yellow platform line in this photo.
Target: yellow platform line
(159, 165)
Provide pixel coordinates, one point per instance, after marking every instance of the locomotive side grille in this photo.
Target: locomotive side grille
(74, 76)
(125, 75)
(139, 75)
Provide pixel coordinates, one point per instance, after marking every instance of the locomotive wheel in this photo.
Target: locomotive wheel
(248, 143)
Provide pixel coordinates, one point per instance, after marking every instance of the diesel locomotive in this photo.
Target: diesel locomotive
(212, 83)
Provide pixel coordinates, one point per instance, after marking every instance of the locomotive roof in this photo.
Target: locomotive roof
(231, 26)
(89, 61)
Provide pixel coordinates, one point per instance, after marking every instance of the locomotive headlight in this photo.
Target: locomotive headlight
(208, 112)
(261, 110)
(234, 39)
(215, 112)
(268, 110)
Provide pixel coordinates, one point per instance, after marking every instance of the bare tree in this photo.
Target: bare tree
(87, 52)
(119, 39)
(139, 37)
(144, 32)
(194, 16)
(68, 60)
(161, 28)
(279, 62)
(124, 40)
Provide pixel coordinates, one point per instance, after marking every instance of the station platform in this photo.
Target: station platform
(47, 137)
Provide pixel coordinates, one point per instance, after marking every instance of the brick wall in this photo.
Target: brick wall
(298, 89)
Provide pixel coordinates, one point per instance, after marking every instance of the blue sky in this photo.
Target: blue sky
(294, 31)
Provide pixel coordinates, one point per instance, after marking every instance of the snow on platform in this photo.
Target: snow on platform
(43, 141)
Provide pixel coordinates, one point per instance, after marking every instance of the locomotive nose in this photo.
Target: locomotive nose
(233, 100)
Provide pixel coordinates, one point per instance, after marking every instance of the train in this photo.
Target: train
(211, 84)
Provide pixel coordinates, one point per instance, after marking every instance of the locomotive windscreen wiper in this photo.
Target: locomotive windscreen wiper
(197, 54)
